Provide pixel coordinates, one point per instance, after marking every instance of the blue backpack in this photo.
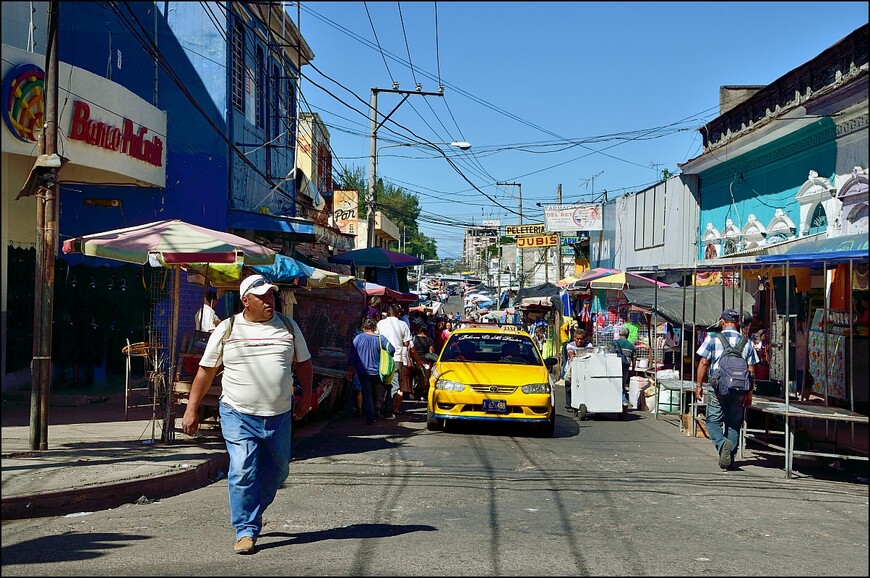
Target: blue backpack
(732, 374)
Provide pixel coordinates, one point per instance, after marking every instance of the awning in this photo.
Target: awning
(818, 251)
(711, 300)
(334, 238)
(262, 222)
(374, 289)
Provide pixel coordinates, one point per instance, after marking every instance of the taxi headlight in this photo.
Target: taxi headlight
(536, 388)
(449, 385)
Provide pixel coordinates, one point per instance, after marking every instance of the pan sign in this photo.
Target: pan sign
(537, 241)
(521, 230)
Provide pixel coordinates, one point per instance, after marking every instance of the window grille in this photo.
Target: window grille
(238, 80)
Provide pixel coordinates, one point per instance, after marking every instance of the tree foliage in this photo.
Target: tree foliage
(400, 207)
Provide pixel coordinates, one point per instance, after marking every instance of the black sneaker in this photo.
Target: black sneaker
(725, 454)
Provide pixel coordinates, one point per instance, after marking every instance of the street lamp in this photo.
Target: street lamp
(461, 145)
(373, 165)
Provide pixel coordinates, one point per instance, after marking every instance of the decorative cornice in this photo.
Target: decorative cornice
(827, 135)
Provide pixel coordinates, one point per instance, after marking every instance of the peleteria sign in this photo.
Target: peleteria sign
(571, 218)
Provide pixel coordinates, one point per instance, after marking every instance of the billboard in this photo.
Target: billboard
(570, 218)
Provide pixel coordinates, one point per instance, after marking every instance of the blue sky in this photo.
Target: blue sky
(593, 96)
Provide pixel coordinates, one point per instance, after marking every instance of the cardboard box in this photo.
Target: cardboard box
(700, 426)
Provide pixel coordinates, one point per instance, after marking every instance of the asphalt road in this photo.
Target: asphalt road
(602, 497)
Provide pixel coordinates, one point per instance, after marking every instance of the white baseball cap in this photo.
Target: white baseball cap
(255, 284)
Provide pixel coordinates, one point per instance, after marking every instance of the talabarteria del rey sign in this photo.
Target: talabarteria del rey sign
(126, 139)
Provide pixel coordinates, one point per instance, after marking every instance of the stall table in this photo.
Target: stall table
(683, 386)
(771, 406)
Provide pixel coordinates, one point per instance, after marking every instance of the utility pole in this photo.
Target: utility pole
(46, 248)
(559, 235)
(373, 151)
(522, 272)
(600, 233)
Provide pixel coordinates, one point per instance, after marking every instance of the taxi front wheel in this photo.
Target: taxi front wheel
(433, 423)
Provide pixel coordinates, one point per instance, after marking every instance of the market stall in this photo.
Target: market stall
(171, 244)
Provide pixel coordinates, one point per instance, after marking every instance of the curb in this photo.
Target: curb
(110, 496)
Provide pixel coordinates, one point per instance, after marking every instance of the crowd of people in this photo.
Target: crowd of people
(411, 335)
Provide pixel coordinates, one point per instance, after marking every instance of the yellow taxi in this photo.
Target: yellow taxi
(493, 374)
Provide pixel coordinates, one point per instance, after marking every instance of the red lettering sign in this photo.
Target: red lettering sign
(130, 141)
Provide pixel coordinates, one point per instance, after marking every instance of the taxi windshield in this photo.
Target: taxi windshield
(491, 348)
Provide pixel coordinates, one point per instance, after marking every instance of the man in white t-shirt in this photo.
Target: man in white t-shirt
(399, 335)
(260, 354)
(205, 318)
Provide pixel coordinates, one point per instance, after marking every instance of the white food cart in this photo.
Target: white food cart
(596, 383)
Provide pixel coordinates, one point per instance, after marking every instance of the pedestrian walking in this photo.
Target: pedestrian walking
(724, 414)
(398, 333)
(364, 359)
(625, 349)
(574, 348)
(205, 318)
(260, 351)
(423, 344)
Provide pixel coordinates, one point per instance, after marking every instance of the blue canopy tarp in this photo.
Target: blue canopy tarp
(818, 251)
(284, 270)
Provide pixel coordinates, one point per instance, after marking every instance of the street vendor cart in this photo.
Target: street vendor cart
(596, 383)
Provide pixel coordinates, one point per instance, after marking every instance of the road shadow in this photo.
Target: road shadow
(67, 547)
(352, 532)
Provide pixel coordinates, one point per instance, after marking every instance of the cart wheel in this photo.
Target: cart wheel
(581, 412)
(623, 415)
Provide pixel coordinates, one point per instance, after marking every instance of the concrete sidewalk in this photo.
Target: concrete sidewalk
(97, 460)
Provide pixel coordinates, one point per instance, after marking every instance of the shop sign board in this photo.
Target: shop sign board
(566, 244)
(537, 241)
(571, 218)
(523, 230)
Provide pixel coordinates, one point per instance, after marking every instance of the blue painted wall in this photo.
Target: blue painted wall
(196, 156)
(766, 179)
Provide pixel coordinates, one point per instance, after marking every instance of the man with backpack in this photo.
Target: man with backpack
(729, 359)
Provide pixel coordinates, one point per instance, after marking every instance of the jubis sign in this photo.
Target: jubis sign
(537, 241)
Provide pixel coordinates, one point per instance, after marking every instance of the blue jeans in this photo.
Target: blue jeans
(259, 449)
(724, 419)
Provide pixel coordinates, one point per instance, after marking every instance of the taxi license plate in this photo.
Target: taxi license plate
(495, 405)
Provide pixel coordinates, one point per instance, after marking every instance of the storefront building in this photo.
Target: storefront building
(209, 93)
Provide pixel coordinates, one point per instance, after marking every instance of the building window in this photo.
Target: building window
(238, 79)
(324, 170)
(275, 99)
(819, 220)
(291, 116)
(259, 105)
